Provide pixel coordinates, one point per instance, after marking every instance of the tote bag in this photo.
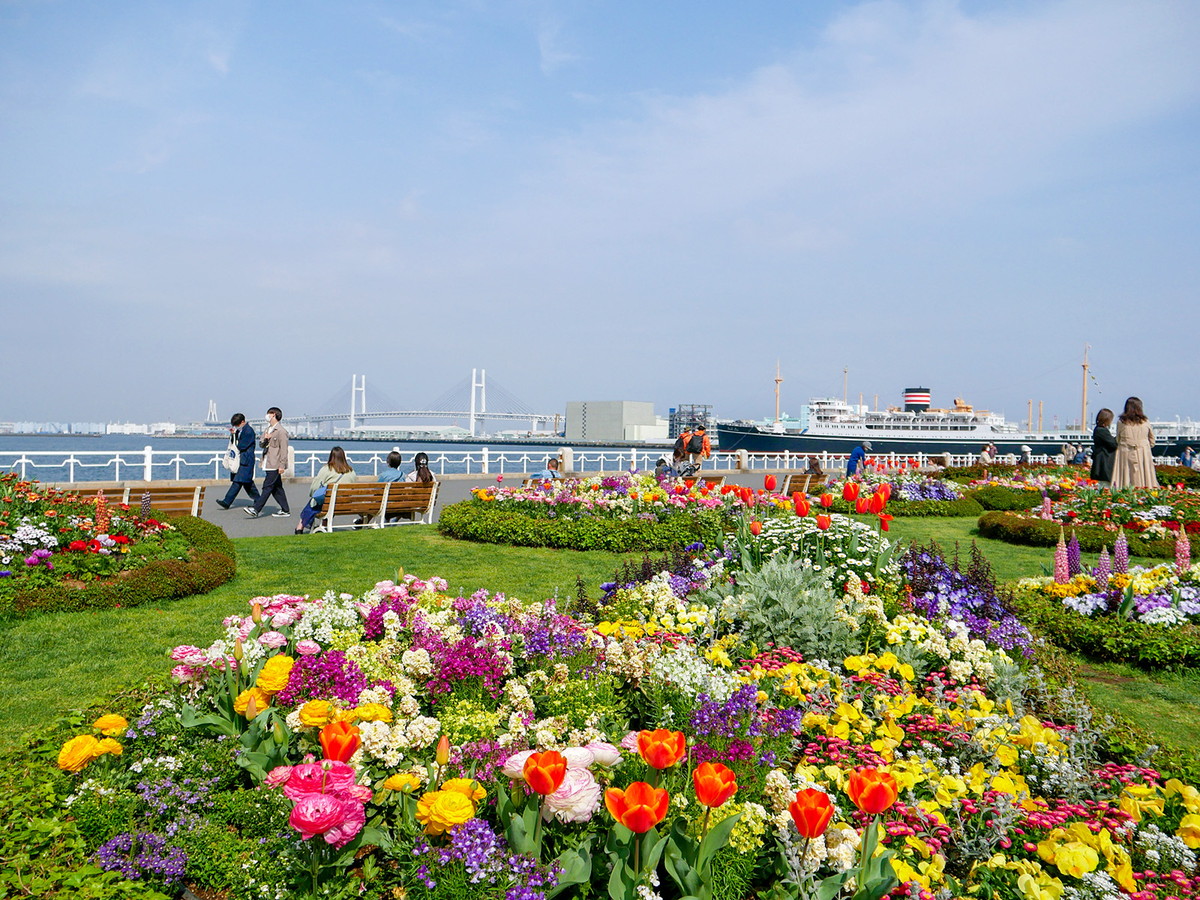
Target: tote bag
(232, 460)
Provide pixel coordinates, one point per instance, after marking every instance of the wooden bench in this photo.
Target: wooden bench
(171, 500)
(713, 481)
(377, 504)
(802, 482)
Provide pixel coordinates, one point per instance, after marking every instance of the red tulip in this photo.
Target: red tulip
(827, 500)
(811, 811)
(871, 790)
(850, 491)
(861, 504)
(715, 783)
(339, 740)
(639, 807)
(885, 520)
(544, 772)
(801, 503)
(756, 528)
(877, 503)
(769, 482)
(661, 748)
(886, 490)
(823, 522)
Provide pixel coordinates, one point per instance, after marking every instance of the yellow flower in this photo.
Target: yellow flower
(78, 752)
(1191, 796)
(108, 745)
(274, 675)
(111, 724)
(439, 811)
(317, 713)
(241, 705)
(371, 712)
(404, 782)
(1189, 830)
(468, 787)
(1141, 798)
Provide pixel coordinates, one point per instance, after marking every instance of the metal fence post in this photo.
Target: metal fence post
(148, 464)
(483, 460)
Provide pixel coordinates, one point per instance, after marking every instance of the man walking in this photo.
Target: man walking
(275, 461)
(242, 435)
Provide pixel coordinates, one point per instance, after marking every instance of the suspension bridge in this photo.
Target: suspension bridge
(468, 400)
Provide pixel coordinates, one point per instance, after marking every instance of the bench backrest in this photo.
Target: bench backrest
(802, 482)
(171, 500)
(379, 503)
(410, 496)
(354, 499)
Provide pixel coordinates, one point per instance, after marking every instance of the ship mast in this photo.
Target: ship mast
(845, 393)
(778, 382)
(1083, 415)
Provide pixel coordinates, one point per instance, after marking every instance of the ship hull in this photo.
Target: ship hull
(756, 440)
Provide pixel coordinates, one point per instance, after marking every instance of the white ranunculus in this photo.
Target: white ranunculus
(576, 800)
(514, 766)
(578, 757)
(605, 753)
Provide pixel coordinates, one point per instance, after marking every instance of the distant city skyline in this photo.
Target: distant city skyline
(246, 202)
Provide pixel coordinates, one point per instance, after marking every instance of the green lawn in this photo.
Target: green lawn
(51, 664)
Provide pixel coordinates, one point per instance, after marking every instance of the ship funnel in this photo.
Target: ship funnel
(916, 399)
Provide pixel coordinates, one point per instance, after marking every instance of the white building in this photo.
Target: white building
(607, 421)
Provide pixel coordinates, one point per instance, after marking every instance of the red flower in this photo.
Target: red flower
(544, 772)
(877, 503)
(801, 503)
(861, 505)
(811, 811)
(77, 545)
(885, 520)
(769, 482)
(756, 528)
(823, 522)
(639, 807)
(715, 783)
(339, 740)
(827, 500)
(661, 748)
(871, 790)
(850, 491)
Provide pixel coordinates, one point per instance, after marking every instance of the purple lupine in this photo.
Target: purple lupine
(1121, 554)
(1074, 562)
(1103, 570)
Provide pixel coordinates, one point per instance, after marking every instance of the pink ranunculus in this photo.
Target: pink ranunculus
(578, 757)
(186, 653)
(345, 831)
(273, 640)
(316, 814)
(605, 753)
(576, 799)
(284, 617)
(278, 776)
(514, 766)
(326, 777)
(308, 648)
(359, 792)
(183, 674)
(629, 742)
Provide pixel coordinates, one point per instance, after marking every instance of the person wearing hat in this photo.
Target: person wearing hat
(1026, 456)
(857, 457)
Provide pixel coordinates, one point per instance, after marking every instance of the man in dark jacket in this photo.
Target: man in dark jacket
(243, 437)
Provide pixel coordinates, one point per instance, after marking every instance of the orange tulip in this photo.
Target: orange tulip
(715, 783)
(661, 748)
(827, 500)
(544, 772)
(886, 490)
(801, 503)
(811, 811)
(861, 505)
(769, 482)
(339, 740)
(878, 502)
(850, 491)
(442, 753)
(639, 807)
(823, 522)
(756, 528)
(871, 790)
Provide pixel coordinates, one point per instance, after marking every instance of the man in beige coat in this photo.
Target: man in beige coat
(275, 461)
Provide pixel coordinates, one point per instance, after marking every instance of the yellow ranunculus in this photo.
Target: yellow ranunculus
(403, 782)
(371, 712)
(318, 713)
(468, 787)
(241, 705)
(111, 724)
(1191, 796)
(78, 752)
(439, 811)
(1189, 830)
(274, 675)
(108, 745)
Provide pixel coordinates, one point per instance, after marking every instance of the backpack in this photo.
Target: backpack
(681, 443)
(695, 443)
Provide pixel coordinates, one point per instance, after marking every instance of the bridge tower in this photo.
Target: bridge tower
(478, 380)
(358, 393)
(211, 418)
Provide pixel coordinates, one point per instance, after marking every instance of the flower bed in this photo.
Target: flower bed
(1152, 512)
(1037, 532)
(407, 742)
(62, 551)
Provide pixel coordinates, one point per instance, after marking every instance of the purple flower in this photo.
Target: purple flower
(327, 676)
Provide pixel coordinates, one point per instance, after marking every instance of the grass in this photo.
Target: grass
(54, 663)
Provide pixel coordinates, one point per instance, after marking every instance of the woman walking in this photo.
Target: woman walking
(1133, 465)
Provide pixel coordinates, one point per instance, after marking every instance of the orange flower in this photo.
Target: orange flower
(871, 790)
(801, 503)
(639, 807)
(442, 753)
(827, 500)
(715, 783)
(823, 522)
(756, 528)
(884, 520)
(850, 491)
(811, 811)
(544, 772)
(878, 502)
(861, 505)
(769, 482)
(339, 740)
(661, 748)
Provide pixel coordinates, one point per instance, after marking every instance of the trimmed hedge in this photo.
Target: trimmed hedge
(1111, 637)
(1004, 526)
(470, 520)
(995, 496)
(213, 562)
(963, 506)
(1172, 475)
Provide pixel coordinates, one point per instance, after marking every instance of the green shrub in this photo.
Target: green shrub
(1189, 478)
(1004, 526)
(212, 561)
(963, 506)
(995, 496)
(472, 521)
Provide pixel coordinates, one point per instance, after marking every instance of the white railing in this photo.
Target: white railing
(149, 464)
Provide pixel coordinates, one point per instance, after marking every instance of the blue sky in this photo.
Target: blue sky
(249, 202)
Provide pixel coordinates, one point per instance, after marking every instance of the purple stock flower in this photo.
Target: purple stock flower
(323, 677)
